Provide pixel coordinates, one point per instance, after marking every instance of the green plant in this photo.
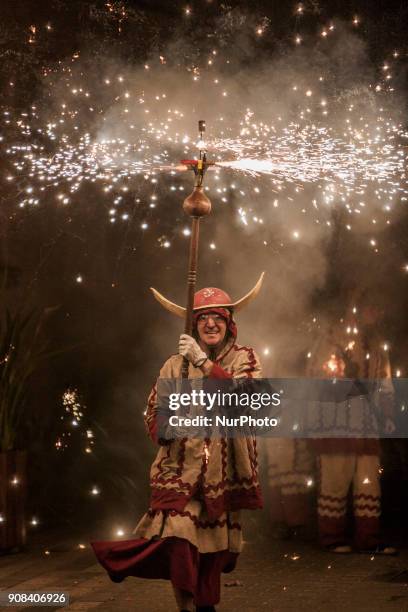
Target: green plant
(23, 348)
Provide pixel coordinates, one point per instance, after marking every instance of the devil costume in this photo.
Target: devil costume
(192, 532)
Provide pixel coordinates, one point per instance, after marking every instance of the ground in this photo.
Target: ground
(271, 575)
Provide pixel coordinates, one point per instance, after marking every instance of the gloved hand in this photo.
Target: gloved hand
(189, 348)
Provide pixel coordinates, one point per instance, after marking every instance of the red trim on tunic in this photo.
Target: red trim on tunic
(152, 423)
(231, 501)
(231, 481)
(201, 524)
(167, 499)
(251, 358)
(218, 372)
(228, 501)
(223, 460)
(158, 480)
(173, 559)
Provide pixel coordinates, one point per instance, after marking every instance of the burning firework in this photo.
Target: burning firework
(72, 419)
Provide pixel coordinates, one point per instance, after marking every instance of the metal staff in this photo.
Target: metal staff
(196, 205)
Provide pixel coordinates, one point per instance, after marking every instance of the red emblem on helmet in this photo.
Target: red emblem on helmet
(211, 296)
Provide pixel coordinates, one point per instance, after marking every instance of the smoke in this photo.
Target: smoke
(258, 223)
(255, 226)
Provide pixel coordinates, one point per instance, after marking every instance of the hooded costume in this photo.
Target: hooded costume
(192, 531)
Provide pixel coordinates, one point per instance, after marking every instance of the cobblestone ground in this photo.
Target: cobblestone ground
(271, 575)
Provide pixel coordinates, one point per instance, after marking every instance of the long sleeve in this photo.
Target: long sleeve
(151, 415)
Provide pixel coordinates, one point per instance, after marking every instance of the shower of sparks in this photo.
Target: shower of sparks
(126, 134)
(315, 154)
(72, 418)
(344, 163)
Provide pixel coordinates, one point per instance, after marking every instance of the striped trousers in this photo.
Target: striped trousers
(339, 473)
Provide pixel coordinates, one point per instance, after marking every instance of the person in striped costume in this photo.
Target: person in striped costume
(354, 352)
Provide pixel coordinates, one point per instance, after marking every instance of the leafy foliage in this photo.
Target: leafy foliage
(23, 348)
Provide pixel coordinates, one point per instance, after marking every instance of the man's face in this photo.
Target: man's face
(211, 328)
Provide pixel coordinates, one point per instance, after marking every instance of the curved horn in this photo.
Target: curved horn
(250, 295)
(170, 306)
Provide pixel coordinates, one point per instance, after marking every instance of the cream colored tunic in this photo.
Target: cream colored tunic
(223, 471)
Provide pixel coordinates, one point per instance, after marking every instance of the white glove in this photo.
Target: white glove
(190, 349)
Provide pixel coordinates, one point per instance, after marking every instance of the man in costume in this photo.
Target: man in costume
(345, 461)
(192, 532)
